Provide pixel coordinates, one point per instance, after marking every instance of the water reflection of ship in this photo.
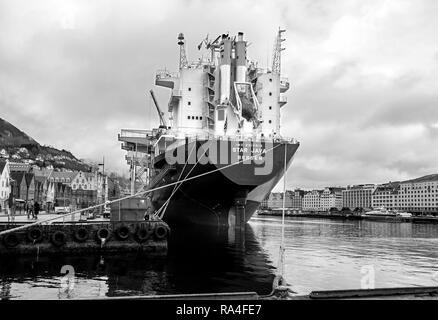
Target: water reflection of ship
(199, 264)
(208, 260)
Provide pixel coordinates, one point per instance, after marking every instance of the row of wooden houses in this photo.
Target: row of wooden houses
(20, 183)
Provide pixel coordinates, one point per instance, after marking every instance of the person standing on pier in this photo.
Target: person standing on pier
(31, 208)
(36, 209)
(11, 205)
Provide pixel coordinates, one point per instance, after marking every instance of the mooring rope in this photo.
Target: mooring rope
(283, 214)
(176, 187)
(279, 279)
(143, 192)
(278, 286)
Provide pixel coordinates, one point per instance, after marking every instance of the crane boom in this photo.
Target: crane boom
(160, 113)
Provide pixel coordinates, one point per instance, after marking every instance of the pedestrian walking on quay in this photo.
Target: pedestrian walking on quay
(36, 209)
(11, 204)
(31, 209)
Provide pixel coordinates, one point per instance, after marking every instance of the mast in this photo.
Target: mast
(182, 52)
(276, 60)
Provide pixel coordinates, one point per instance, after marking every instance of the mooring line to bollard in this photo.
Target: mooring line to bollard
(176, 187)
(143, 192)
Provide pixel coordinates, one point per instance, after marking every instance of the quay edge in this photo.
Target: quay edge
(148, 237)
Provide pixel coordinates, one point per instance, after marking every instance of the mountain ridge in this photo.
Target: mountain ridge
(18, 146)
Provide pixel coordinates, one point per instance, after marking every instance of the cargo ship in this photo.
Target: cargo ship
(219, 151)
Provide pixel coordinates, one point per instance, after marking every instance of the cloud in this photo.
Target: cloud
(363, 101)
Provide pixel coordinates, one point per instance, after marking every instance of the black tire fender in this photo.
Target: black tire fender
(81, 234)
(144, 233)
(123, 232)
(103, 233)
(35, 235)
(11, 240)
(59, 238)
(161, 231)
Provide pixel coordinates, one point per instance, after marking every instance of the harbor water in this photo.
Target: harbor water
(320, 255)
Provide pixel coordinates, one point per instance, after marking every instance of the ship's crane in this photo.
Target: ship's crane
(276, 59)
(160, 113)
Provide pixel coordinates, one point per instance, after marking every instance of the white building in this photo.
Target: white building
(5, 188)
(358, 196)
(312, 200)
(385, 196)
(84, 181)
(418, 195)
(331, 197)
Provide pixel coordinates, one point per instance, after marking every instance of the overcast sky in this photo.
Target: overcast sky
(364, 74)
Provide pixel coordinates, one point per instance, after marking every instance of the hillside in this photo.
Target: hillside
(11, 136)
(20, 147)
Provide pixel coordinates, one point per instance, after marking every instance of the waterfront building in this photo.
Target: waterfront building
(50, 195)
(5, 187)
(419, 195)
(62, 187)
(331, 197)
(293, 200)
(63, 195)
(49, 187)
(19, 167)
(385, 195)
(358, 196)
(18, 185)
(264, 203)
(39, 189)
(89, 188)
(297, 199)
(30, 186)
(312, 200)
(275, 200)
(44, 189)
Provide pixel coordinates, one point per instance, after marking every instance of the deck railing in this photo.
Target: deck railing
(135, 133)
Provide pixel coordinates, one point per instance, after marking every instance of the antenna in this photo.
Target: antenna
(182, 52)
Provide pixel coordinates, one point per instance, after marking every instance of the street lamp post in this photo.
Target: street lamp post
(103, 184)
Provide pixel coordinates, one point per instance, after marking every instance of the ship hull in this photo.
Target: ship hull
(210, 198)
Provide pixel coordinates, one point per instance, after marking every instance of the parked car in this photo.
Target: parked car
(60, 210)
